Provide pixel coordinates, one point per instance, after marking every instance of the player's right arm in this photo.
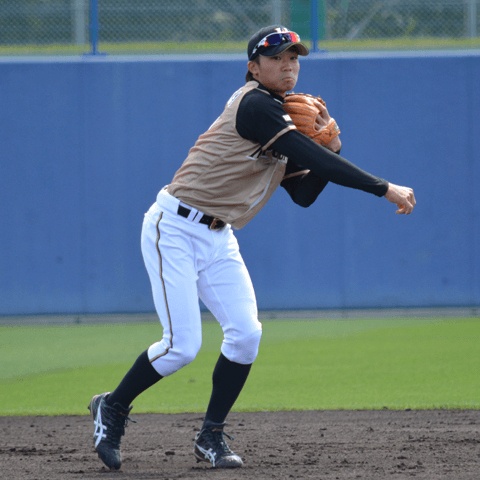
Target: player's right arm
(328, 165)
(261, 118)
(334, 168)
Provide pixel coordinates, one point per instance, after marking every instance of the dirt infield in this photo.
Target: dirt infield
(371, 445)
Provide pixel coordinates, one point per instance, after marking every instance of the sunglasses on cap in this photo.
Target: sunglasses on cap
(275, 39)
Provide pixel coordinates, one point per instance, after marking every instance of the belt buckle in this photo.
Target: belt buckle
(215, 222)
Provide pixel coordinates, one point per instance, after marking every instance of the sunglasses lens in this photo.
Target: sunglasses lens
(294, 37)
(275, 39)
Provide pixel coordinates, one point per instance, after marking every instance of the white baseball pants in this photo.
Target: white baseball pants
(185, 261)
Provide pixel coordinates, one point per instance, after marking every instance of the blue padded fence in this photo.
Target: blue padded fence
(87, 142)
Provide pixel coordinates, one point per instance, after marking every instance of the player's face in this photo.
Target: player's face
(278, 73)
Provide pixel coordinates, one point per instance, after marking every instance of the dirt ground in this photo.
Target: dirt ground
(371, 445)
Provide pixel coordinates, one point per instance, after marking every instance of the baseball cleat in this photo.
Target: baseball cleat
(210, 446)
(110, 423)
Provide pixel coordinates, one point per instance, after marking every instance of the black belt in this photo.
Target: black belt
(213, 223)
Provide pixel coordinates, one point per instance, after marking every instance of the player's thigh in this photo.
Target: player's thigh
(226, 289)
(170, 263)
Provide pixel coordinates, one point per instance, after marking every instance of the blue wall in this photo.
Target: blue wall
(85, 144)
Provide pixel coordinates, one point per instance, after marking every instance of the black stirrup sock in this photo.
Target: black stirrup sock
(140, 377)
(228, 380)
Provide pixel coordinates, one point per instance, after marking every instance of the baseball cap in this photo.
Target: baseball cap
(273, 40)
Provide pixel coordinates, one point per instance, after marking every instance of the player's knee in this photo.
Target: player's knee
(188, 355)
(167, 359)
(185, 350)
(244, 348)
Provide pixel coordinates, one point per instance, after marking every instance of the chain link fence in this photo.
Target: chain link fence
(166, 26)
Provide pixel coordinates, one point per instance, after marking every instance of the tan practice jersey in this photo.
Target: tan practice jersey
(231, 177)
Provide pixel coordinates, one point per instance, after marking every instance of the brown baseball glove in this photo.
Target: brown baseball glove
(310, 116)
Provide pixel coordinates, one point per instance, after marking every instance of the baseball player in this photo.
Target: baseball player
(190, 250)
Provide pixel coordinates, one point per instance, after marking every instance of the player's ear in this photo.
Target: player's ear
(253, 67)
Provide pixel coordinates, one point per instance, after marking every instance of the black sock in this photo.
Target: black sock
(140, 377)
(228, 380)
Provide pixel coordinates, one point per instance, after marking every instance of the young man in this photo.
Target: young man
(190, 250)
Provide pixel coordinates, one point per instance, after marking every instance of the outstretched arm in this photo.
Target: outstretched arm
(307, 154)
(334, 168)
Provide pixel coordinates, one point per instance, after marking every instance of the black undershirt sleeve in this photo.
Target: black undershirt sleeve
(327, 165)
(303, 187)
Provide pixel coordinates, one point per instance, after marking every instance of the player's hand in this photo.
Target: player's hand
(402, 197)
(322, 121)
(323, 116)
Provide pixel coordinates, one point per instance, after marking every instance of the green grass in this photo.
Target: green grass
(303, 365)
(400, 43)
